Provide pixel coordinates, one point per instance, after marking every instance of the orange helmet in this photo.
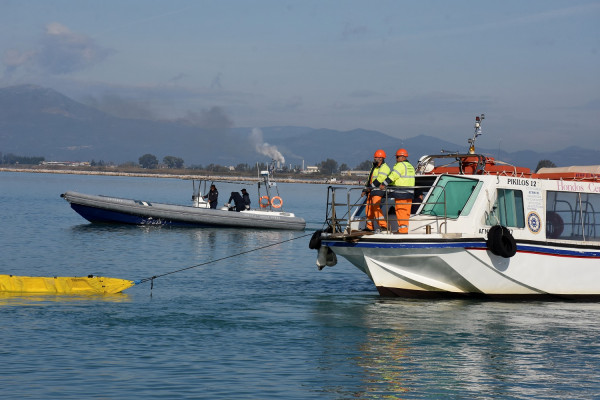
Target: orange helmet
(402, 152)
(379, 153)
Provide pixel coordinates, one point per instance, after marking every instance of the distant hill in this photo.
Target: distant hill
(38, 121)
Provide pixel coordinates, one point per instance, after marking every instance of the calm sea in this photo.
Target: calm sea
(264, 325)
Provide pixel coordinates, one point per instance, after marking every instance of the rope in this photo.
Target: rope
(152, 278)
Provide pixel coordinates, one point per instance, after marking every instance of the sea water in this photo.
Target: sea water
(262, 325)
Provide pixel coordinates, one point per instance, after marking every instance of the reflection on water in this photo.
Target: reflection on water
(125, 229)
(490, 349)
(383, 368)
(29, 299)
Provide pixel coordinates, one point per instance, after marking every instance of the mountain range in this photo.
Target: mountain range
(39, 121)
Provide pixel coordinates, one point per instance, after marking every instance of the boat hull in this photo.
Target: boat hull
(104, 209)
(466, 268)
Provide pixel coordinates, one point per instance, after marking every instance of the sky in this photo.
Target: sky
(404, 68)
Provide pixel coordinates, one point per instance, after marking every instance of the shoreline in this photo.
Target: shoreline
(173, 176)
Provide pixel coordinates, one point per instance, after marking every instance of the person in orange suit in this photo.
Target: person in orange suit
(379, 173)
(400, 181)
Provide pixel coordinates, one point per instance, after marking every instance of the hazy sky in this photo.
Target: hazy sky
(401, 67)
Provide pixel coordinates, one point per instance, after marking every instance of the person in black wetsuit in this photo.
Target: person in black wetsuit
(246, 198)
(212, 196)
(238, 202)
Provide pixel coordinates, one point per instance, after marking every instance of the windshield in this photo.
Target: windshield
(449, 197)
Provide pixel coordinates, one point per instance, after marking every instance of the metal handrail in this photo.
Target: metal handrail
(350, 208)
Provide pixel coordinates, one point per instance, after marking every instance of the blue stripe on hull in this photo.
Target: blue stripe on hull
(407, 245)
(98, 215)
(563, 251)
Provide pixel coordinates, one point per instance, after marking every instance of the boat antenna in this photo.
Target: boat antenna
(478, 120)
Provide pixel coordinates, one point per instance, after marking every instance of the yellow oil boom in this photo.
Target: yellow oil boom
(95, 284)
(63, 284)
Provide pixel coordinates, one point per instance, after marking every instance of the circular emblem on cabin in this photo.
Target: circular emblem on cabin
(533, 222)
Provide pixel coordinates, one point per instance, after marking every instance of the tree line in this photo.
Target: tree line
(329, 166)
(150, 161)
(326, 167)
(12, 159)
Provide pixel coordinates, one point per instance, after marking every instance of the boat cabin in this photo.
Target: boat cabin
(467, 194)
(478, 227)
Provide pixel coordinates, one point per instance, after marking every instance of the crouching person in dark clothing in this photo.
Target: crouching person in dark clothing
(238, 202)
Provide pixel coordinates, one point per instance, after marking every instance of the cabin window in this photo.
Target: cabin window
(508, 209)
(449, 196)
(572, 216)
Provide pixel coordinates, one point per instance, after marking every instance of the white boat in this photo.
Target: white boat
(106, 209)
(484, 229)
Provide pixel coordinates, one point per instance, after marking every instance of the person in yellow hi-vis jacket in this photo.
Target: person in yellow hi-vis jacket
(378, 175)
(400, 178)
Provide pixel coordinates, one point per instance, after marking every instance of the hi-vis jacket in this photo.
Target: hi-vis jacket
(401, 176)
(377, 176)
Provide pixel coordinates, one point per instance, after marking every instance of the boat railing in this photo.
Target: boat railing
(345, 215)
(270, 198)
(199, 189)
(267, 191)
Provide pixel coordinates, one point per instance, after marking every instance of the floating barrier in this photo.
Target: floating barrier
(95, 284)
(63, 284)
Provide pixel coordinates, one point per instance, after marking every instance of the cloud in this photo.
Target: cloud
(363, 93)
(508, 23)
(290, 104)
(421, 105)
(216, 82)
(63, 51)
(60, 51)
(354, 31)
(214, 119)
(592, 105)
(178, 77)
(13, 59)
(121, 107)
(293, 103)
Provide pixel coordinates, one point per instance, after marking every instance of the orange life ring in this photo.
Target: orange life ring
(279, 202)
(265, 203)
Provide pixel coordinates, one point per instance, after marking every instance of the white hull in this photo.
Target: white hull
(424, 268)
(480, 228)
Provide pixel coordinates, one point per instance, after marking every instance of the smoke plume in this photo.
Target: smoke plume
(256, 137)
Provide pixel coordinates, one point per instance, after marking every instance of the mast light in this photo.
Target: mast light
(477, 133)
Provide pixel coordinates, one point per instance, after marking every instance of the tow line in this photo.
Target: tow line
(95, 284)
(152, 278)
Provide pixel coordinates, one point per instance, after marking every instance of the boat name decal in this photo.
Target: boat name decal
(578, 186)
(521, 182)
(560, 185)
